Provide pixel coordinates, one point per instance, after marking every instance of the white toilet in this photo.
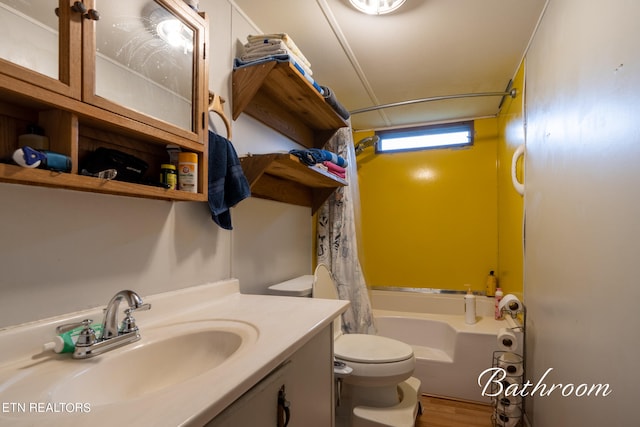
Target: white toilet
(380, 390)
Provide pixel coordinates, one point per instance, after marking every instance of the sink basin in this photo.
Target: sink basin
(165, 356)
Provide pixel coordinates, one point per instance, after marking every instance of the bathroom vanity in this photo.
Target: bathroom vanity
(208, 356)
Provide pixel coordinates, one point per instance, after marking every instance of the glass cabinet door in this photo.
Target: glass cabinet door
(40, 43)
(146, 60)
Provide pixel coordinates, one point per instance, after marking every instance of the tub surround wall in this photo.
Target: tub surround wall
(435, 211)
(422, 193)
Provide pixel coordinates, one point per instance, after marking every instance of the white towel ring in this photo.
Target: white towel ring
(519, 186)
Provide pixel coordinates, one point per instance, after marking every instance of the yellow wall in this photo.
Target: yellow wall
(445, 218)
(429, 218)
(510, 203)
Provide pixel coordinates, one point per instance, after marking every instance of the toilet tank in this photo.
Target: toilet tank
(297, 287)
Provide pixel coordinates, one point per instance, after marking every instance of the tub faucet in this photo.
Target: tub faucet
(88, 345)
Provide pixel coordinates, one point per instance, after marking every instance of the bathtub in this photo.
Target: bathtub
(450, 355)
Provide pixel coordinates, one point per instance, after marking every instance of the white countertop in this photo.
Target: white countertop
(284, 324)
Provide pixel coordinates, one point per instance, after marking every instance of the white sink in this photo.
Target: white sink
(165, 356)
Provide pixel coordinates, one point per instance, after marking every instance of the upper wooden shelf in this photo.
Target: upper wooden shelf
(42, 177)
(276, 94)
(284, 178)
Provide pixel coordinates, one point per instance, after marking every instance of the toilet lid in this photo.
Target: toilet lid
(370, 349)
(297, 287)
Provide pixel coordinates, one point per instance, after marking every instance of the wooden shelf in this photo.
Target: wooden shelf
(41, 177)
(284, 178)
(75, 135)
(276, 94)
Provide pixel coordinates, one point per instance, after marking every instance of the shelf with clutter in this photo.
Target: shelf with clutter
(272, 83)
(73, 135)
(284, 177)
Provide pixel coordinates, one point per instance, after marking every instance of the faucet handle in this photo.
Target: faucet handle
(70, 326)
(142, 307)
(129, 322)
(87, 335)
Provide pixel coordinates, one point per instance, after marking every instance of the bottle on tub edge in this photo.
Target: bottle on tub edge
(499, 295)
(469, 307)
(492, 282)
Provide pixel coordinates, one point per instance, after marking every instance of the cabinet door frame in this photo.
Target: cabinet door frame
(200, 91)
(69, 81)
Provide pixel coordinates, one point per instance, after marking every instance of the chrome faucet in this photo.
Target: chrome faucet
(88, 345)
(110, 323)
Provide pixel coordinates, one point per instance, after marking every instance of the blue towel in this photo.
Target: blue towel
(227, 184)
(238, 63)
(313, 156)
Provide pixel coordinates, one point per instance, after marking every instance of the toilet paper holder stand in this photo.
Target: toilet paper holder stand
(508, 414)
(513, 313)
(512, 306)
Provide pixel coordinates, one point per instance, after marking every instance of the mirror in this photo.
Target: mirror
(29, 34)
(145, 60)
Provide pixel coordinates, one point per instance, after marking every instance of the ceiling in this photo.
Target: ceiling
(428, 48)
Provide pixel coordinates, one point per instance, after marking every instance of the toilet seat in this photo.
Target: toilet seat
(364, 348)
(376, 361)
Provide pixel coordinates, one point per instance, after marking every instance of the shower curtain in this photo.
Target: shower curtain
(337, 243)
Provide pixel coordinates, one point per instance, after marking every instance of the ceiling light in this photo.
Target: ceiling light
(377, 7)
(176, 34)
(169, 28)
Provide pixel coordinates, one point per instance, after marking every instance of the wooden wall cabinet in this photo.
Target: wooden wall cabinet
(82, 107)
(276, 94)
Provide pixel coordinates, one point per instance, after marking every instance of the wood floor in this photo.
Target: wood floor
(438, 412)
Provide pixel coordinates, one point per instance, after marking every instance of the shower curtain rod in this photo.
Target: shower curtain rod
(512, 93)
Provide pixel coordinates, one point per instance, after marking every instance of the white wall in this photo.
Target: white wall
(62, 251)
(583, 210)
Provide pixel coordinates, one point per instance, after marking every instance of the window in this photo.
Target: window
(426, 137)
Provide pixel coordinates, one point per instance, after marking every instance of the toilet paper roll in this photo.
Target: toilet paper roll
(511, 303)
(511, 363)
(504, 419)
(508, 408)
(507, 340)
(511, 410)
(507, 396)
